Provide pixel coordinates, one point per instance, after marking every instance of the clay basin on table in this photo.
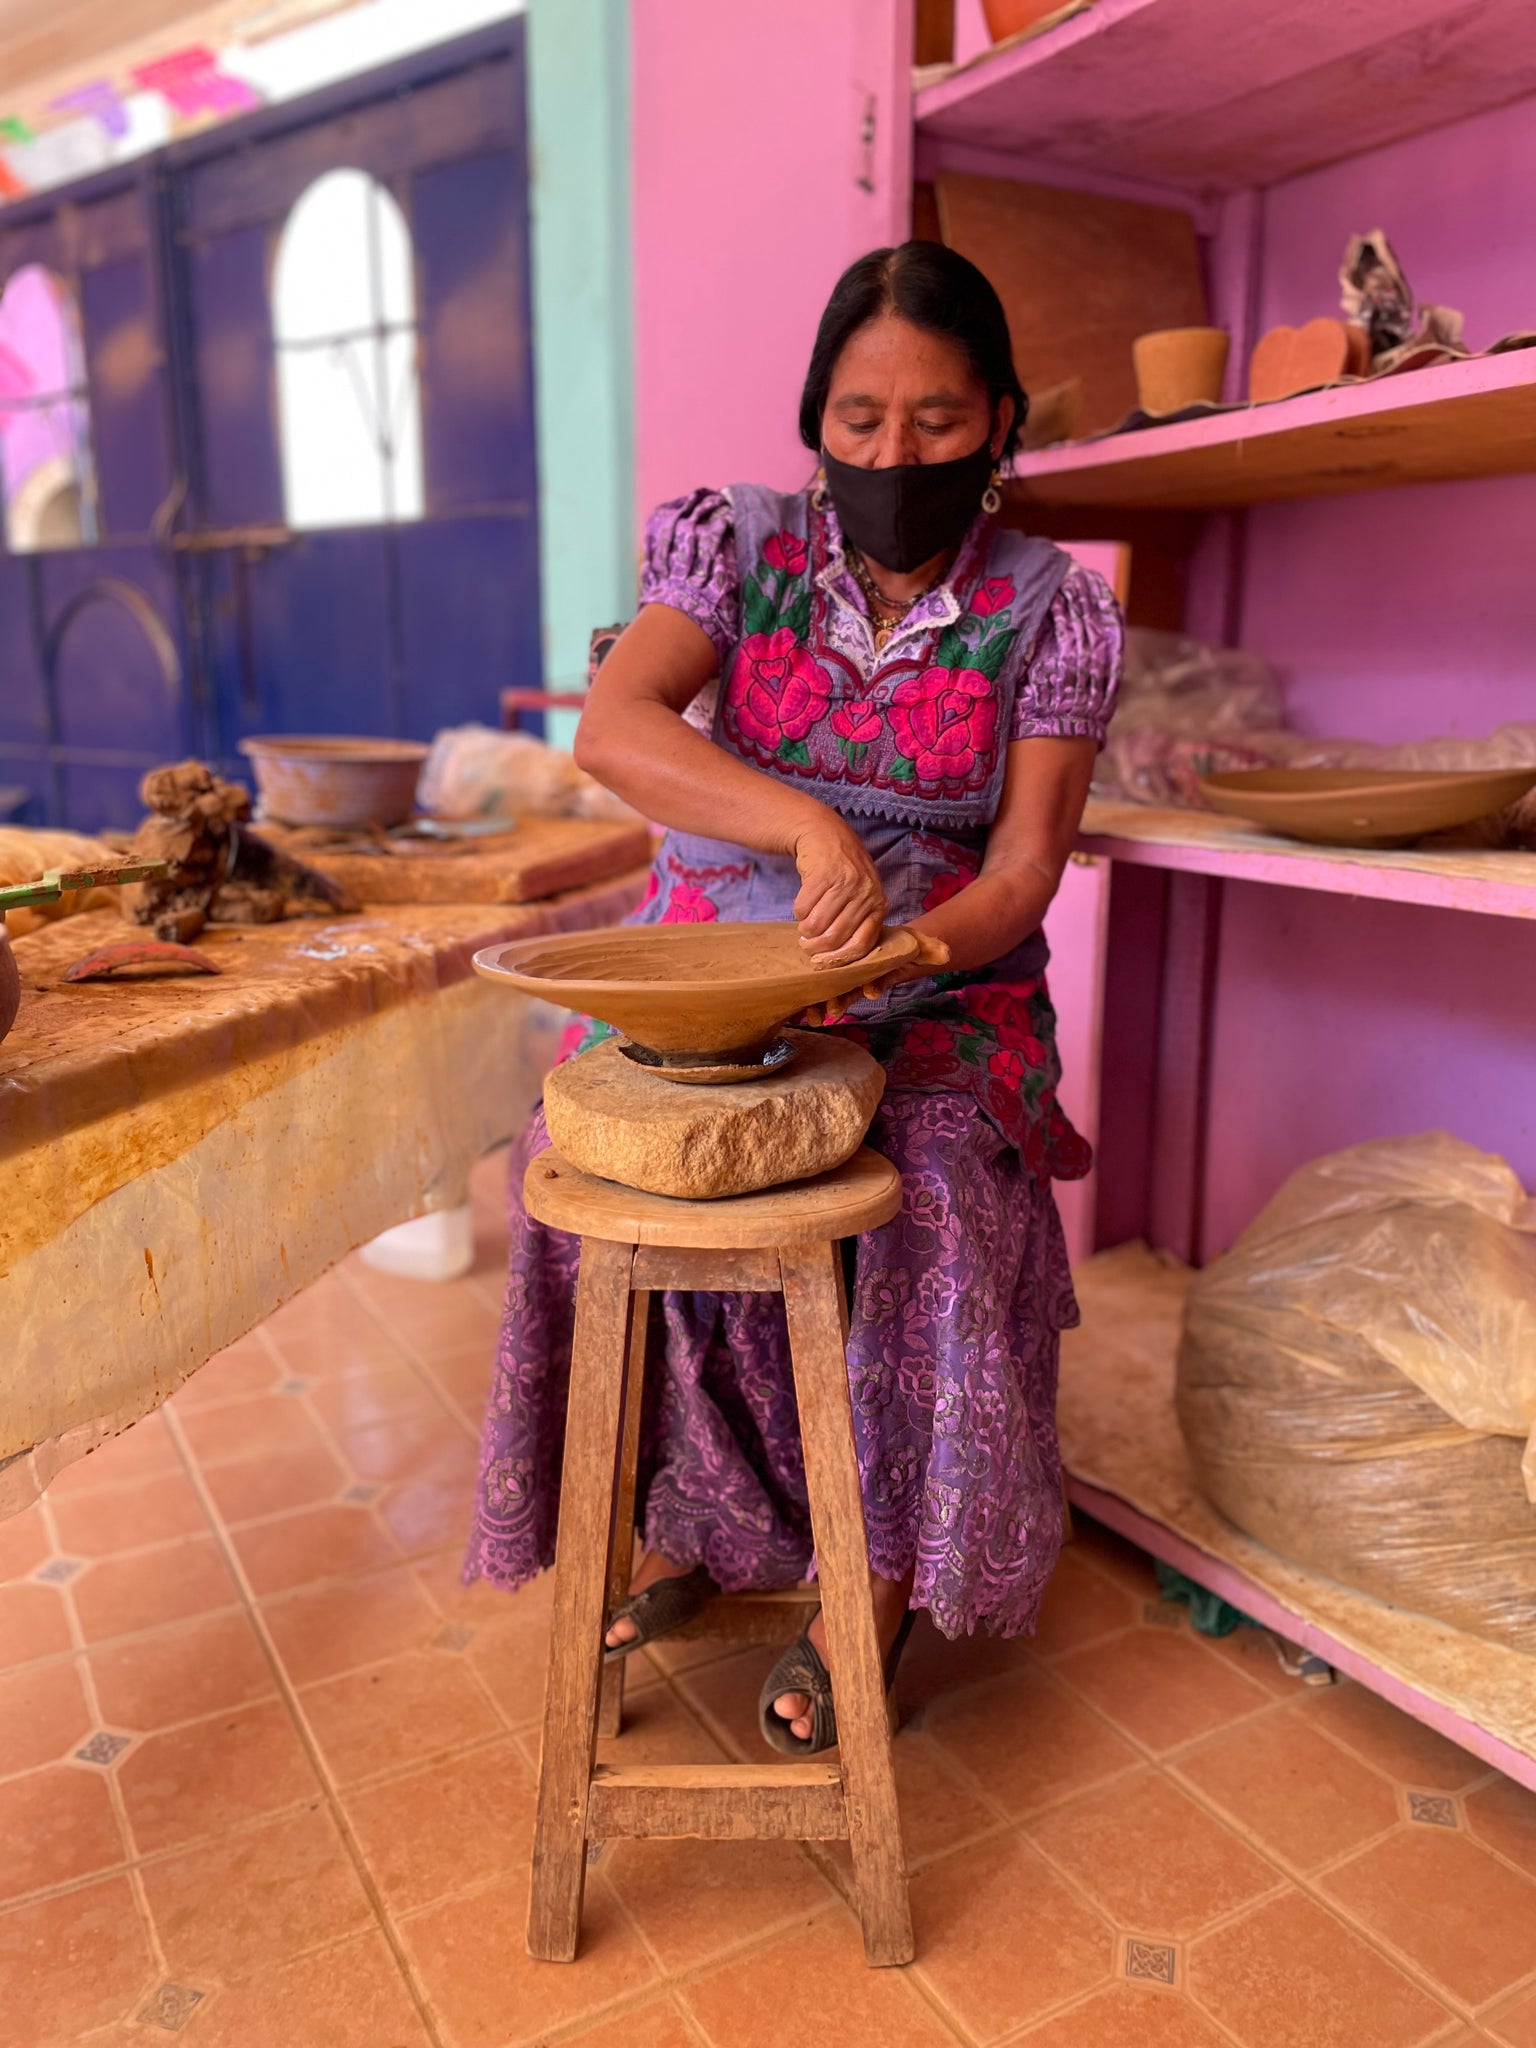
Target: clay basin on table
(1364, 806)
(705, 996)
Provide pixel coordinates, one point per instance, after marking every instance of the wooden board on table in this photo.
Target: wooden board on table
(538, 858)
(1080, 277)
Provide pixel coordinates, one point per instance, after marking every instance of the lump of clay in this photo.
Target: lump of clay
(220, 871)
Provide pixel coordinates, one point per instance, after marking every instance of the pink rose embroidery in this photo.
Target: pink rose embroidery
(858, 722)
(778, 691)
(943, 887)
(785, 551)
(994, 595)
(1007, 1064)
(689, 906)
(945, 721)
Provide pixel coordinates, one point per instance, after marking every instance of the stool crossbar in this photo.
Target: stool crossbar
(784, 1240)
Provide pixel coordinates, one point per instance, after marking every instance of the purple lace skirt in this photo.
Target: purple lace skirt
(952, 1356)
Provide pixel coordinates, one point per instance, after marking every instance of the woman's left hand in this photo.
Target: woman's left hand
(931, 957)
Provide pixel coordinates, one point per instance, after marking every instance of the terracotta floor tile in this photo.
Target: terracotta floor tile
(1028, 1740)
(324, 1630)
(1080, 1605)
(270, 1426)
(56, 1824)
(213, 1775)
(1157, 1864)
(423, 1445)
(658, 1729)
(34, 1622)
(434, 1317)
(1123, 2014)
(1001, 1937)
(1503, 1814)
(455, 1824)
(517, 2000)
(424, 1515)
(933, 1667)
(1515, 2026)
(658, 2024)
(24, 1543)
(198, 1667)
(797, 1987)
(1466, 1919)
(1115, 1557)
(119, 1596)
(725, 1695)
(323, 1352)
(311, 1544)
(693, 1900)
(234, 1374)
(1161, 1688)
(261, 1487)
(78, 1960)
(359, 1400)
(109, 1519)
(1252, 1651)
(1390, 1739)
(465, 1377)
(423, 1704)
(234, 1908)
(481, 1603)
(1296, 1793)
(1290, 1975)
(141, 1452)
(350, 1996)
(938, 1811)
(43, 1715)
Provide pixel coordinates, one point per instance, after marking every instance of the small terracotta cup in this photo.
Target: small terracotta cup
(1180, 366)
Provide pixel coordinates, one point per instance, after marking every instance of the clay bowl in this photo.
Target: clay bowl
(697, 995)
(324, 780)
(1364, 806)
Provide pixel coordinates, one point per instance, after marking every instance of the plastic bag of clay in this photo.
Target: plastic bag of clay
(474, 771)
(1357, 1381)
(1510, 746)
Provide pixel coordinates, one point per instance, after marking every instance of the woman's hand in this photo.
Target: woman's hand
(931, 957)
(841, 906)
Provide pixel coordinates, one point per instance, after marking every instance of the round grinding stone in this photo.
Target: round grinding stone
(612, 1118)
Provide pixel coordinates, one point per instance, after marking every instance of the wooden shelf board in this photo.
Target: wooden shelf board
(1211, 98)
(1127, 1466)
(1458, 420)
(1493, 883)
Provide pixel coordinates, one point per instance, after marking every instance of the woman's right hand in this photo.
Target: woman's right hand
(841, 906)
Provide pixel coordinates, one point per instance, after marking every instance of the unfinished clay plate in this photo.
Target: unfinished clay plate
(1364, 806)
(699, 994)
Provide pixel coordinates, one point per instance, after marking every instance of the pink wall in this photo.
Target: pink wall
(1391, 615)
(748, 153)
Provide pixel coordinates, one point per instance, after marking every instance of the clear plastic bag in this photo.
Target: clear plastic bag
(1357, 1380)
(474, 771)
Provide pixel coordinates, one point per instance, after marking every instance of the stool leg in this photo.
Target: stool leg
(621, 1555)
(598, 1357)
(813, 1304)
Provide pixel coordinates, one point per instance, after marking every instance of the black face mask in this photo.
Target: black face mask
(903, 517)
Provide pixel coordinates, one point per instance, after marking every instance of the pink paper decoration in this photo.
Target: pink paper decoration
(100, 101)
(190, 82)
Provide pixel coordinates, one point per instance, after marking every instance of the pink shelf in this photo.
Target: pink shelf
(1208, 97)
(1468, 419)
(1198, 842)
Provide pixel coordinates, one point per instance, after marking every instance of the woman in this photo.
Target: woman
(910, 702)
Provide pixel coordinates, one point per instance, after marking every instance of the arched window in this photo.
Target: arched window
(45, 423)
(344, 314)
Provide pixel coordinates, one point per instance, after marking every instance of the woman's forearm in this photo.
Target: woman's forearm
(990, 917)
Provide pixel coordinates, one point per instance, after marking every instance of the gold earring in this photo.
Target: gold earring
(992, 497)
(819, 493)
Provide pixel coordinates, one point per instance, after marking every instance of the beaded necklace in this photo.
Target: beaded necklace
(887, 613)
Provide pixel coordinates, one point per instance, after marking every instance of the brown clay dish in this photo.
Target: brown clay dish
(705, 989)
(316, 779)
(1367, 807)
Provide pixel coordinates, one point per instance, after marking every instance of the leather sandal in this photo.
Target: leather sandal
(665, 1605)
(801, 1669)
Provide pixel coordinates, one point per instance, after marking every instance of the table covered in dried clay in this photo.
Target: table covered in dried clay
(178, 1158)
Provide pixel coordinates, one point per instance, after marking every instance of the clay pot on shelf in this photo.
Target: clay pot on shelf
(1180, 366)
(1009, 17)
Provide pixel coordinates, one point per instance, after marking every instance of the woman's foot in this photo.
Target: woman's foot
(890, 1597)
(653, 1566)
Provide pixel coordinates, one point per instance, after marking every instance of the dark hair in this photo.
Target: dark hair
(938, 290)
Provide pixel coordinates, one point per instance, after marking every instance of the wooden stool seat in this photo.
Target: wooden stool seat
(783, 1240)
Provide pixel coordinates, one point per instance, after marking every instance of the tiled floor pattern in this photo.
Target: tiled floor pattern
(266, 1778)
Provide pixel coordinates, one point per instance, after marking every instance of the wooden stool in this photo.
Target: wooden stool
(784, 1240)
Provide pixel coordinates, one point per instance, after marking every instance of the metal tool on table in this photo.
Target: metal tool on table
(49, 888)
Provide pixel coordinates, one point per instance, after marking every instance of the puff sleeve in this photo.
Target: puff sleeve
(690, 564)
(1067, 689)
